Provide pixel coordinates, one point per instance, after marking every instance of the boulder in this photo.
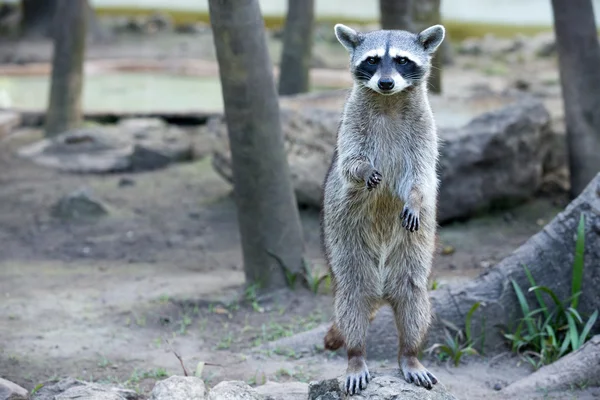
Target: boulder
(381, 387)
(495, 159)
(179, 388)
(283, 391)
(12, 391)
(8, 121)
(234, 390)
(132, 145)
(71, 389)
(80, 204)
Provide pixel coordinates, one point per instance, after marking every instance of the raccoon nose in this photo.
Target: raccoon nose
(386, 84)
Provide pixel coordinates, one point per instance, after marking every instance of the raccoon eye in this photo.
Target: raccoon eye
(402, 60)
(372, 60)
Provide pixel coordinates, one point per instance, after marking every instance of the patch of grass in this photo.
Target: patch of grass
(137, 375)
(545, 334)
(314, 278)
(104, 362)
(251, 294)
(459, 345)
(225, 341)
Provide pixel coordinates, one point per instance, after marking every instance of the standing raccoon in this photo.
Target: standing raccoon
(380, 196)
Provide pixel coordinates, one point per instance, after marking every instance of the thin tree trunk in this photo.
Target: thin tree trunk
(37, 19)
(579, 61)
(297, 47)
(64, 107)
(425, 14)
(267, 213)
(396, 14)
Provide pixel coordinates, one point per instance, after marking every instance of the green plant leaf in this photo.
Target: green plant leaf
(578, 262)
(587, 328)
(468, 332)
(538, 295)
(572, 333)
(524, 306)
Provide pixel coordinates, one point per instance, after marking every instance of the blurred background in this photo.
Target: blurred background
(121, 239)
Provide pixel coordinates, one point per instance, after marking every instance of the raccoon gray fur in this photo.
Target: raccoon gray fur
(380, 198)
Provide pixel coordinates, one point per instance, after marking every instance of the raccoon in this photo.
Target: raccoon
(380, 197)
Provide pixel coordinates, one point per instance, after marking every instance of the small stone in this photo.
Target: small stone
(325, 390)
(123, 182)
(448, 250)
(179, 388)
(79, 205)
(497, 386)
(12, 391)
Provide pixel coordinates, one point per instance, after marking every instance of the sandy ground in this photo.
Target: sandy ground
(112, 300)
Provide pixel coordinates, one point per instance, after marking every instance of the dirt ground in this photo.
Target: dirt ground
(112, 300)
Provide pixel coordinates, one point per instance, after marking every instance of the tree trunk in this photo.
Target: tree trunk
(396, 14)
(37, 19)
(297, 47)
(579, 61)
(268, 217)
(425, 14)
(64, 107)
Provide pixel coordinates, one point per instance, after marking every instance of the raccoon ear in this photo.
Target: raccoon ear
(432, 37)
(348, 37)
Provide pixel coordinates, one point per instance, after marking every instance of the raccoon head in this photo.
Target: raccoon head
(389, 61)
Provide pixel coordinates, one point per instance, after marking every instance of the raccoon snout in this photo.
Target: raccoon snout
(386, 84)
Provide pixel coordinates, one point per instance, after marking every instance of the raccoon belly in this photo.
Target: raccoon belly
(382, 221)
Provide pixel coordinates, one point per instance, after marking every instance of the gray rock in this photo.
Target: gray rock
(70, 388)
(497, 158)
(79, 205)
(132, 145)
(234, 390)
(179, 388)
(8, 121)
(381, 387)
(12, 391)
(283, 391)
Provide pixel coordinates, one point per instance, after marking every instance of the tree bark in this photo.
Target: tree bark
(64, 107)
(396, 14)
(425, 14)
(579, 62)
(267, 214)
(297, 47)
(37, 19)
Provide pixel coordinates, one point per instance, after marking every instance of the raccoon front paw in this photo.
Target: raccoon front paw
(410, 219)
(373, 180)
(357, 376)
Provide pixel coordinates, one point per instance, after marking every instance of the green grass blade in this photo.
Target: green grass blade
(468, 322)
(587, 328)
(578, 262)
(538, 295)
(572, 333)
(524, 306)
(552, 295)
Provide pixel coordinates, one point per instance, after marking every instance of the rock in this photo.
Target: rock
(283, 391)
(496, 158)
(72, 389)
(179, 388)
(79, 205)
(132, 145)
(8, 121)
(12, 391)
(159, 22)
(381, 387)
(578, 369)
(234, 390)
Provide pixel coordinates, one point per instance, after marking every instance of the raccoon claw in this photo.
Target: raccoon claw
(357, 382)
(373, 180)
(410, 220)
